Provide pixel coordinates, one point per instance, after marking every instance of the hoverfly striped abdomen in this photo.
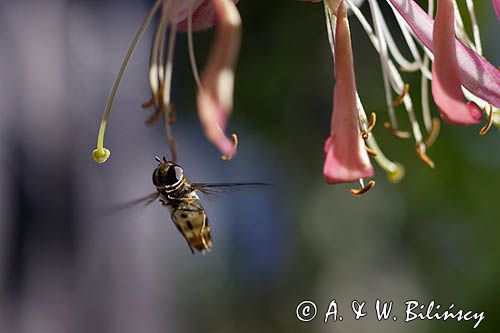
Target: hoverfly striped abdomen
(186, 210)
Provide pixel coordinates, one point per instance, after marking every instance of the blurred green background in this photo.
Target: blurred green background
(66, 268)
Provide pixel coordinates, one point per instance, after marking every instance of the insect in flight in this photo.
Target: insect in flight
(181, 197)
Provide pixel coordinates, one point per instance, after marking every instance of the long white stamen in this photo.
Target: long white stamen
(192, 57)
(430, 8)
(367, 27)
(459, 23)
(100, 139)
(405, 29)
(156, 59)
(153, 62)
(395, 78)
(408, 38)
(394, 50)
(329, 27)
(167, 83)
(383, 60)
(460, 28)
(424, 83)
(373, 38)
(400, 87)
(475, 27)
(161, 51)
(426, 111)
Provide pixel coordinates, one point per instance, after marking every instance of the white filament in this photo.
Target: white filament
(192, 57)
(156, 60)
(329, 28)
(424, 83)
(395, 78)
(167, 85)
(460, 29)
(383, 61)
(394, 50)
(475, 27)
(424, 87)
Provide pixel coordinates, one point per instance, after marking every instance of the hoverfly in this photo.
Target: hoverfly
(175, 192)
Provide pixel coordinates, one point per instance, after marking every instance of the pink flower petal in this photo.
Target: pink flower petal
(446, 87)
(496, 4)
(476, 74)
(346, 156)
(204, 15)
(215, 98)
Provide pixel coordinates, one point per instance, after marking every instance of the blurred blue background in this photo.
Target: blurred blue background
(65, 268)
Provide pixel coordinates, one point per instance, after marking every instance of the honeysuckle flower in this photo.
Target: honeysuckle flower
(463, 82)
(346, 156)
(215, 88)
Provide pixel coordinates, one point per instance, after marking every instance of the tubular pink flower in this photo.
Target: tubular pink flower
(215, 96)
(446, 87)
(346, 156)
(496, 4)
(475, 73)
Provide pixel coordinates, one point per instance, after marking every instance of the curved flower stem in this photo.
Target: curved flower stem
(101, 154)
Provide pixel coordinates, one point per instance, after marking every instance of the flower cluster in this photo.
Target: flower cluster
(215, 85)
(464, 85)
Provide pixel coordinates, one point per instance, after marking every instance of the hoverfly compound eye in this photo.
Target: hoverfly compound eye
(174, 174)
(155, 178)
(167, 175)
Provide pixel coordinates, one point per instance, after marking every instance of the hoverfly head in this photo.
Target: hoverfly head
(167, 175)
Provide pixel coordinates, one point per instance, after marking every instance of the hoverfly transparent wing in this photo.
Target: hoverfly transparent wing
(224, 188)
(137, 204)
